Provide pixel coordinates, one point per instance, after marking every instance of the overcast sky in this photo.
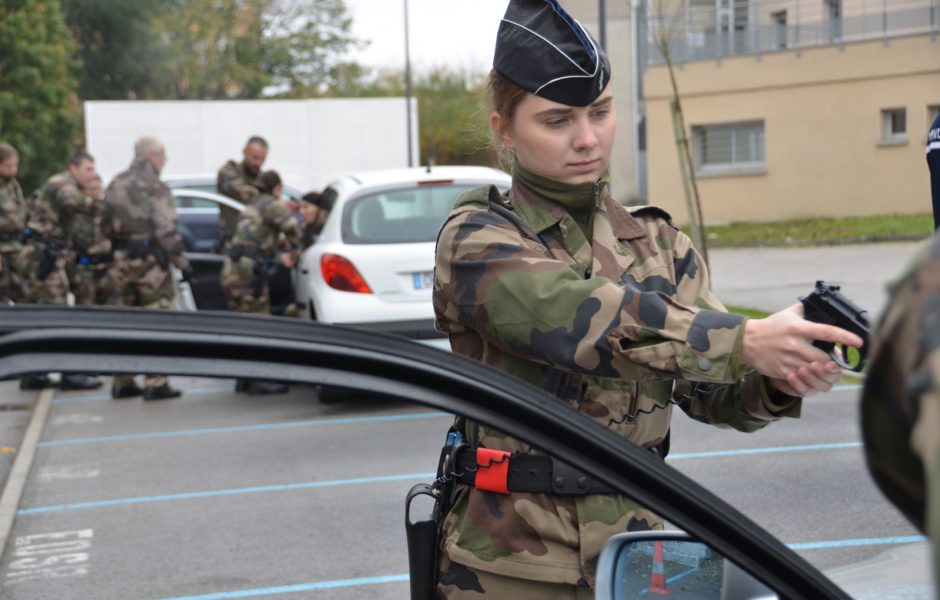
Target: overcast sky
(454, 33)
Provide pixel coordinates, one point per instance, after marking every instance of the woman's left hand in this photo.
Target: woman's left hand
(815, 378)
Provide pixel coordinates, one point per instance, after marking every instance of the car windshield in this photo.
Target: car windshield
(400, 216)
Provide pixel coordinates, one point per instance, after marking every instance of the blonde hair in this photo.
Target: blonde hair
(504, 96)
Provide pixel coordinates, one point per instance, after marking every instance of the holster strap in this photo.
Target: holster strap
(497, 471)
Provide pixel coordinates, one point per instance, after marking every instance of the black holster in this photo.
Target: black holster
(47, 263)
(423, 541)
(260, 277)
(159, 254)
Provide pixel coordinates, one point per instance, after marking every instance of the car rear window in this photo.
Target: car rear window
(400, 216)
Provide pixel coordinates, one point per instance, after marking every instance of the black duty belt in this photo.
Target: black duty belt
(11, 236)
(497, 471)
(237, 252)
(52, 243)
(134, 248)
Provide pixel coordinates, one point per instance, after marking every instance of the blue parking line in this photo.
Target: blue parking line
(104, 397)
(290, 487)
(242, 428)
(301, 587)
(402, 577)
(770, 450)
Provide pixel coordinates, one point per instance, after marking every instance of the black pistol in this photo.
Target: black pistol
(829, 306)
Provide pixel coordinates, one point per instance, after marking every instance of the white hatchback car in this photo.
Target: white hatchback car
(373, 262)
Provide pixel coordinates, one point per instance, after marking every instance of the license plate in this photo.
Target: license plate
(423, 280)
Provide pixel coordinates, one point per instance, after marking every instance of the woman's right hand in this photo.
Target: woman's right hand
(780, 345)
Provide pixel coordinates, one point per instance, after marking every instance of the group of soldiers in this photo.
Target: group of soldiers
(269, 231)
(110, 247)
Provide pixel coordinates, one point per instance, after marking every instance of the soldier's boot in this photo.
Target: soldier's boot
(241, 385)
(163, 392)
(265, 388)
(124, 386)
(36, 382)
(79, 381)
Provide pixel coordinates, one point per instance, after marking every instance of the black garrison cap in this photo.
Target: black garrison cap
(543, 50)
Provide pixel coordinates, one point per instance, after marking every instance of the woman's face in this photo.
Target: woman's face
(308, 212)
(571, 144)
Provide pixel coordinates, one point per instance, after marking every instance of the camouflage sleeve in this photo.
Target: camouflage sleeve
(281, 216)
(900, 404)
(165, 225)
(230, 183)
(491, 278)
(69, 196)
(746, 405)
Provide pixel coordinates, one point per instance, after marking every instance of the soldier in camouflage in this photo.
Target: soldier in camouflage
(12, 222)
(90, 275)
(266, 232)
(311, 212)
(901, 399)
(237, 181)
(52, 214)
(140, 221)
(609, 310)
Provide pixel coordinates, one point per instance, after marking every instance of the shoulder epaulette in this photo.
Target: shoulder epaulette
(479, 197)
(649, 211)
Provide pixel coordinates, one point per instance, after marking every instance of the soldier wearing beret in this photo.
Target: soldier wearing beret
(313, 214)
(12, 222)
(266, 232)
(140, 220)
(57, 207)
(237, 181)
(608, 309)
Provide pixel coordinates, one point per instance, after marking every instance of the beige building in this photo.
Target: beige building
(795, 108)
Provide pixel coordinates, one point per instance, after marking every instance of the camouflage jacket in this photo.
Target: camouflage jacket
(901, 400)
(56, 206)
(138, 206)
(12, 214)
(615, 328)
(268, 227)
(235, 182)
(85, 233)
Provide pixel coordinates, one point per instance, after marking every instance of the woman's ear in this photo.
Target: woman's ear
(500, 128)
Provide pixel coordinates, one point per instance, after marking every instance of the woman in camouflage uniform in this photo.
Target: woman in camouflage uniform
(266, 232)
(606, 308)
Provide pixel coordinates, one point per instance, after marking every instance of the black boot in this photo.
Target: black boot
(164, 392)
(266, 388)
(119, 392)
(36, 382)
(79, 381)
(241, 385)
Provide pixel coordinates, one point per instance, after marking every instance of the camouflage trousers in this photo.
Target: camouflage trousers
(142, 282)
(238, 281)
(54, 287)
(457, 581)
(94, 285)
(13, 277)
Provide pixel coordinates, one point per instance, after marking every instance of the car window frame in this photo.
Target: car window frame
(81, 339)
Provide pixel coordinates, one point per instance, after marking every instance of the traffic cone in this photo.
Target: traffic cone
(658, 576)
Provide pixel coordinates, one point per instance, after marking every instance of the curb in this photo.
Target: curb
(13, 489)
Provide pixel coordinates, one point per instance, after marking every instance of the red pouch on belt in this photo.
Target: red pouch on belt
(492, 471)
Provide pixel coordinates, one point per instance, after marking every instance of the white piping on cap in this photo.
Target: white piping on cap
(597, 63)
(553, 46)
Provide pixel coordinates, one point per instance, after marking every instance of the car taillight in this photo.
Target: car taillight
(340, 274)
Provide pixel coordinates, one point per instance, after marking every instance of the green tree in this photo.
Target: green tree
(452, 116)
(38, 108)
(252, 48)
(118, 49)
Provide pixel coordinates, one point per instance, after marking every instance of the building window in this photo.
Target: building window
(833, 10)
(894, 125)
(780, 29)
(729, 146)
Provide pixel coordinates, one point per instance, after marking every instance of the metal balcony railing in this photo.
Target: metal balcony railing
(712, 30)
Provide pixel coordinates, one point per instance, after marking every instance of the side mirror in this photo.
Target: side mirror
(670, 563)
